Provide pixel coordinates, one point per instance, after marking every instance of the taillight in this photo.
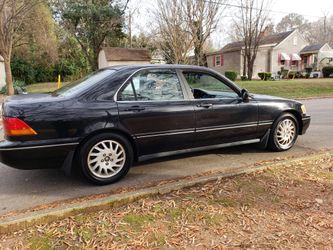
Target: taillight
(16, 127)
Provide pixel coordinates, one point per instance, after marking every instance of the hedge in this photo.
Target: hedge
(265, 75)
(327, 71)
(231, 75)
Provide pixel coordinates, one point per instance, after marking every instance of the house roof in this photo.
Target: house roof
(313, 47)
(270, 39)
(126, 54)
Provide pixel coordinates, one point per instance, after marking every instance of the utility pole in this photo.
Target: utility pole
(325, 28)
(130, 28)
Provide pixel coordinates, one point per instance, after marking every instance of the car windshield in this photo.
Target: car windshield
(83, 84)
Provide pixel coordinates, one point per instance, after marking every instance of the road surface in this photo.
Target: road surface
(25, 189)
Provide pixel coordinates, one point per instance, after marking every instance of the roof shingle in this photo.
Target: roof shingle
(126, 54)
(313, 47)
(270, 39)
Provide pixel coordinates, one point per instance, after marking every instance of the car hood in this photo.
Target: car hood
(270, 98)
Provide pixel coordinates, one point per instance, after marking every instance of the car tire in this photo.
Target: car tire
(105, 158)
(284, 133)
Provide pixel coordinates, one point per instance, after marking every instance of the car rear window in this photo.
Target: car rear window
(83, 84)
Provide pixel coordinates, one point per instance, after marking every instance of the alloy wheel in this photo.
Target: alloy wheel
(286, 133)
(106, 158)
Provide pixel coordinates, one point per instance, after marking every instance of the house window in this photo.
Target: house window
(295, 40)
(305, 60)
(282, 62)
(217, 60)
(315, 59)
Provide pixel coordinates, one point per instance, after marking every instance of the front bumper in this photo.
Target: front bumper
(305, 124)
(31, 156)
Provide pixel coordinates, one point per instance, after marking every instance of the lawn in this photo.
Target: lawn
(287, 207)
(43, 87)
(297, 88)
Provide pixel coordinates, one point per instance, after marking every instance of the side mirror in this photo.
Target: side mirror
(245, 95)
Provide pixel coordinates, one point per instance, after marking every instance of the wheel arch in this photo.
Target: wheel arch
(272, 144)
(111, 130)
(297, 116)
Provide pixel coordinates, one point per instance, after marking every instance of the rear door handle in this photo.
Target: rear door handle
(135, 108)
(205, 105)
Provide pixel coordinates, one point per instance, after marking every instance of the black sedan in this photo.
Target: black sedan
(103, 123)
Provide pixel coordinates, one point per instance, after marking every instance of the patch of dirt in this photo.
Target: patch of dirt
(78, 200)
(289, 207)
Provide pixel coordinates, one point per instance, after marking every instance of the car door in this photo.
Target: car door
(153, 109)
(222, 116)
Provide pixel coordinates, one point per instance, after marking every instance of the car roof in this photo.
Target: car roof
(159, 66)
(135, 67)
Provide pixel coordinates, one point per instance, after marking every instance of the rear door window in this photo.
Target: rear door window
(152, 85)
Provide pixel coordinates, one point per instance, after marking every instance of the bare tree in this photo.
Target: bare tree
(251, 24)
(292, 21)
(184, 25)
(321, 31)
(13, 14)
(202, 18)
(173, 36)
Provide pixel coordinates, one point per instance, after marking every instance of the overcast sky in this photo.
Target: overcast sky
(310, 9)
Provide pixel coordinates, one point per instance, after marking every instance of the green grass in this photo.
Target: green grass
(297, 88)
(43, 87)
(137, 221)
(40, 243)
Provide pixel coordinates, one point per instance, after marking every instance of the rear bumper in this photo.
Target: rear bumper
(305, 124)
(29, 156)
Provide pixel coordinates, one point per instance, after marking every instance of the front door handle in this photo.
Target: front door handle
(205, 105)
(135, 108)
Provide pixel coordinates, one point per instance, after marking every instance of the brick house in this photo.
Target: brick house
(288, 50)
(316, 56)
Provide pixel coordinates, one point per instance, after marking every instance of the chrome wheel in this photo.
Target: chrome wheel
(106, 158)
(286, 133)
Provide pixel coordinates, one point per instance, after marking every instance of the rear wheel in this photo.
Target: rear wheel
(284, 133)
(106, 158)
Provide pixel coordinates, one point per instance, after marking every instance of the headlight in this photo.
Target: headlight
(303, 109)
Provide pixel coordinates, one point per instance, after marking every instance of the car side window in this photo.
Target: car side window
(150, 85)
(128, 93)
(204, 85)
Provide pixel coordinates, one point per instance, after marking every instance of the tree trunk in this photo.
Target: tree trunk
(244, 64)
(93, 60)
(250, 73)
(9, 77)
(250, 69)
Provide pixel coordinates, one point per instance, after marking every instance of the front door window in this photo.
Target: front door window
(206, 86)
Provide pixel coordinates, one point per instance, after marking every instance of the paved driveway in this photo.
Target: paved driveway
(24, 189)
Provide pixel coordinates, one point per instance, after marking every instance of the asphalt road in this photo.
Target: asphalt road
(25, 189)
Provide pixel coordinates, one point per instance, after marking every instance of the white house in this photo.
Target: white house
(2, 73)
(110, 56)
(288, 50)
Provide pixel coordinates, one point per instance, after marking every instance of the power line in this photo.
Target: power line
(268, 10)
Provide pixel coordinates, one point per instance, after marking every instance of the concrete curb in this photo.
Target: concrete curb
(24, 221)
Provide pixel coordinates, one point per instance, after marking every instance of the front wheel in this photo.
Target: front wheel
(105, 158)
(284, 133)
